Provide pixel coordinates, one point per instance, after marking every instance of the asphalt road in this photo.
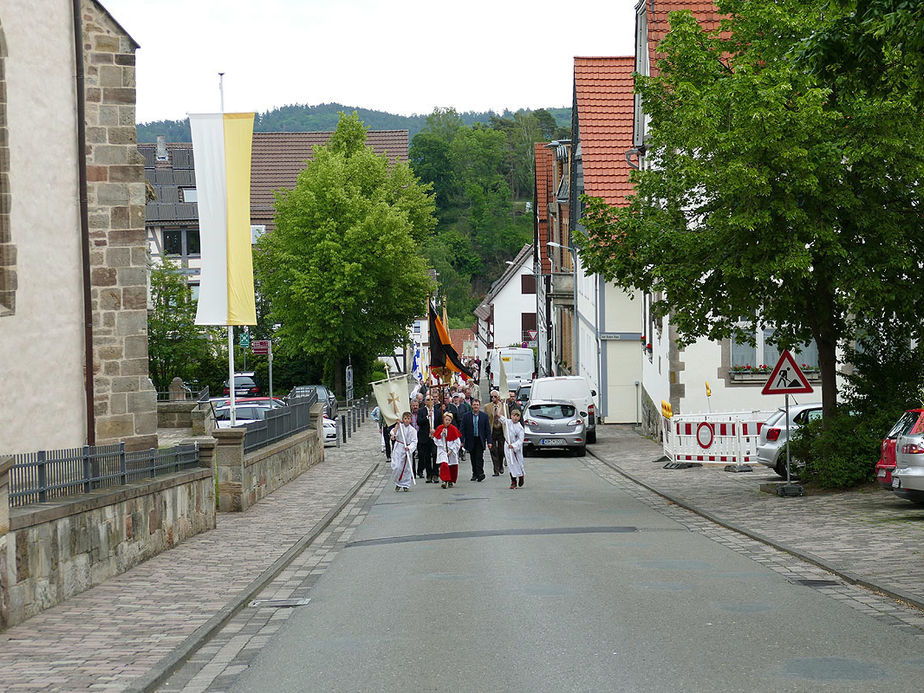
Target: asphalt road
(566, 584)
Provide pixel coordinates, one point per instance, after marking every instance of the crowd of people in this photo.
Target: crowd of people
(445, 425)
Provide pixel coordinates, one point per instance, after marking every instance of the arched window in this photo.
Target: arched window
(7, 249)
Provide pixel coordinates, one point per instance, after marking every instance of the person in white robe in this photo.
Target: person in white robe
(404, 442)
(448, 442)
(513, 447)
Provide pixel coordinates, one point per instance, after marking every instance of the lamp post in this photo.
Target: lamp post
(574, 311)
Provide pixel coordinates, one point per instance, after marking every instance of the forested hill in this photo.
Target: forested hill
(324, 117)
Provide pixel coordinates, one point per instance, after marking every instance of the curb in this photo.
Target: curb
(171, 662)
(849, 577)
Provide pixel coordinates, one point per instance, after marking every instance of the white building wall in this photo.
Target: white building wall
(509, 305)
(622, 355)
(42, 343)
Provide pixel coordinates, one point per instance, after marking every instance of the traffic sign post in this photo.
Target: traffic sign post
(786, 379)
(264, 347)
(349, 383)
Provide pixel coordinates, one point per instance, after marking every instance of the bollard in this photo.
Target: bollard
(355, 413)
(343, 427)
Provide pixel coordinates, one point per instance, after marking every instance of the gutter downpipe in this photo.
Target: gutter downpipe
(84, 221)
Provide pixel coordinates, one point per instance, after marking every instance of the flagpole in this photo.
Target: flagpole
(221, 97)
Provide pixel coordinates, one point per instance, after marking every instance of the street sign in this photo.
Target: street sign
(349, 382)
(260, 347)
(786, 378)
(245, 339)
(532, 334)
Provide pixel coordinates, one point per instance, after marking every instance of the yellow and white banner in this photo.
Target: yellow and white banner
(392, 398)
(221, 147)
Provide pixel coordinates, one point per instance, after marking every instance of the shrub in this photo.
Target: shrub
(840, 451)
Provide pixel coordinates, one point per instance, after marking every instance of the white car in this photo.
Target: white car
(571, 388)
(330, 431)
(243, 415)
(771, 443)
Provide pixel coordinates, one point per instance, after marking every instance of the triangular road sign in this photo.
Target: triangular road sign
(786, 378)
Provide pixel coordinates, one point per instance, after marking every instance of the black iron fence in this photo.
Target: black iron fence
(48, 475)
(281, 422)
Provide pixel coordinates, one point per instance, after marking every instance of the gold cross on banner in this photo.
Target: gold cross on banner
(393, 400)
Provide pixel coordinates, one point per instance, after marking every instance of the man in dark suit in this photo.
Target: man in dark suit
(476, 436)
(426, 449)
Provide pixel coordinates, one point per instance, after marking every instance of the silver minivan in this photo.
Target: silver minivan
(571, 388)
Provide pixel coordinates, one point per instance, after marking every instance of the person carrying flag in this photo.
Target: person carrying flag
(404, 442)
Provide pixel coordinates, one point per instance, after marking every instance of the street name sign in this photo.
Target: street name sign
(260, 347)
(786, 378)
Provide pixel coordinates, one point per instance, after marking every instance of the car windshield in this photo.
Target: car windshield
(243, 381)
(551, 411)
(243, 413)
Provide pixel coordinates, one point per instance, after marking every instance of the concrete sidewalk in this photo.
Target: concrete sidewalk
(869, 536)
(112, 636)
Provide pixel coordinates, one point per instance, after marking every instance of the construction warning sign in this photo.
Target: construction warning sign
(786, 378)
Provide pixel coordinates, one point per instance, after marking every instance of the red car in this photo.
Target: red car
(886, 464)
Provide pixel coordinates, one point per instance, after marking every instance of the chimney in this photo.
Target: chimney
(162, 154)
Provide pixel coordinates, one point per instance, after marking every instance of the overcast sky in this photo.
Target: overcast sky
(403, 56)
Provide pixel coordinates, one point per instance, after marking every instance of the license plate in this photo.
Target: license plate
(881, 474)
(551, 441)
(896, 482)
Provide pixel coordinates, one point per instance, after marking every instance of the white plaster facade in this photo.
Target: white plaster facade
(508, 307)
(41, 344)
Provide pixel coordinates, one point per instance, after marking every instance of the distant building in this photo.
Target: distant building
(172, 219)
(507, 315)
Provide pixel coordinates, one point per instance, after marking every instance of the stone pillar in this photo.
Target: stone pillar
(206, 450)
(5, 463)
(7, 562)
(124, 399)
(177, 389)
(229, 461)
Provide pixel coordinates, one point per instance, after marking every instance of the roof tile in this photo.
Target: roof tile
(605, 105)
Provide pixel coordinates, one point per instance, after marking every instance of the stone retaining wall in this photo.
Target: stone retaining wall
(186, 414)
(53, 551)
(245, 479)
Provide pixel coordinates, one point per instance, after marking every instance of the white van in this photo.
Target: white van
(519, 367)
(573, 388)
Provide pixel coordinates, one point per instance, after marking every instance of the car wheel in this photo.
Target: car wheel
(581, 451)
(592, 436)
(780, 468)
(527, 451)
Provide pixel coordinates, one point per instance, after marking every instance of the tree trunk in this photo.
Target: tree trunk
(338, 379)
(827, 364)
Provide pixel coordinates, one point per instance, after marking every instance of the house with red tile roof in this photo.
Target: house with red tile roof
(278, 158)
(172, 218)
(680, 376)
(607, 321)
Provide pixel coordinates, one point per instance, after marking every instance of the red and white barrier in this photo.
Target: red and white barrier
(729, 438)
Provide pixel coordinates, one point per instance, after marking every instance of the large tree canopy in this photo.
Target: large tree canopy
(776, 194)
(342, 270)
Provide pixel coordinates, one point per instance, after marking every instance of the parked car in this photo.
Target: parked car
(886, 464)
(570, 388)
(554, 424)
(908, 477)
(243, 415)
(771, 443)
(522, 395)
(244, 386)
(224, 401)
(325, 397)
(330, 431)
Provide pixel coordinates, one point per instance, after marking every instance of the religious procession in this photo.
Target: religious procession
(429, 430)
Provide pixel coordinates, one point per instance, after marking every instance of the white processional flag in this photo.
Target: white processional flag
(222, 147)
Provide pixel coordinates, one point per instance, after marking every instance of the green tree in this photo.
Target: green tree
(341, 270)
(776, 196)
(175, 343)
